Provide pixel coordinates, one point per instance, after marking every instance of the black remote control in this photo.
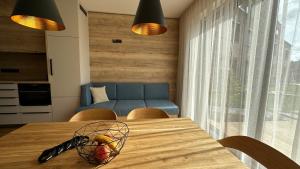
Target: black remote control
(68, 145)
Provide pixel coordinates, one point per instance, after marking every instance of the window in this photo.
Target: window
(240, 75)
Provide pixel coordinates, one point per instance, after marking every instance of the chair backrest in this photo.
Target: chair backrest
(261, 152)
(146, 113)
(94, 114)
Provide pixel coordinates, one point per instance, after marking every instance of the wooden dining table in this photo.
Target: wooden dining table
(175, 143)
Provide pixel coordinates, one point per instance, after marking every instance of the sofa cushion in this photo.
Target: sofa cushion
(157, 91)
(105, 105)
(130, 91)
(123, 107)
(99, 94)
(165, 105)
(111, 89)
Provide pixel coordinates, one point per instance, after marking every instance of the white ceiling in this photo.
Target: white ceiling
(171, 8)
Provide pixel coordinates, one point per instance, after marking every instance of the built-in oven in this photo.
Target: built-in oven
(34, 94)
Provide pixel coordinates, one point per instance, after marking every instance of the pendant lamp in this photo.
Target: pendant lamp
(149, 19)
(38, 14)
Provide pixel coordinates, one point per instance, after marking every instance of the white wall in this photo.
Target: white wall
(84, 48)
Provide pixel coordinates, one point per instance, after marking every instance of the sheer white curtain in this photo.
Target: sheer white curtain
(239, 70)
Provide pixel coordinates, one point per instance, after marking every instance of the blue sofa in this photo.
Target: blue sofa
(125, 97)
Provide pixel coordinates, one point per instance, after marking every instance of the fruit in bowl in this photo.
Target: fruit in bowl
(106, 144)
(102, 152)
(106, 140)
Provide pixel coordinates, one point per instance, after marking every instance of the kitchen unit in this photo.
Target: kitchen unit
(62, 65)
(14, 109)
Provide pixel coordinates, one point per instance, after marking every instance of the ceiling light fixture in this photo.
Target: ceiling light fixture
(38, 14)
(149, 19)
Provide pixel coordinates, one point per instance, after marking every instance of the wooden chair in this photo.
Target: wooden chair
(261, 152)
(147, 113)
(94, 114)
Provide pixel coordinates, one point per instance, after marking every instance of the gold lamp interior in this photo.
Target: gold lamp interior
(148, 29)
(37, 23)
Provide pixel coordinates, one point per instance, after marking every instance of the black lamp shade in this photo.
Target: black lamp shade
(149, 19)
(38, 14)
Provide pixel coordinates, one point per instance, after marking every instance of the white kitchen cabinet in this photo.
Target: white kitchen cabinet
(64, 78)
(8, 86)
(9, 93)
(10, 118)
(35, 109)
(9, 109)
(64, 107)
(63, 52)
(36, 117)
(68, 60)
(9, 101)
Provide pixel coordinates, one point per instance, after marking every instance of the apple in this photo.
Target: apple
(102, 152)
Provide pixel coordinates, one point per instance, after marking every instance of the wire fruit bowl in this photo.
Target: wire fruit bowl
(105, 141)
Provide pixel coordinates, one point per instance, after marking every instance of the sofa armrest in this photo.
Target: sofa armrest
(86, 96)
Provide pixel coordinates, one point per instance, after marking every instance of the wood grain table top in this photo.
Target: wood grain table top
(152, 144)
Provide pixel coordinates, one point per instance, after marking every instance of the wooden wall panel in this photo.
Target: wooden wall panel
(6, 7)
(30, 66)
(16, 38)
(138, 58)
